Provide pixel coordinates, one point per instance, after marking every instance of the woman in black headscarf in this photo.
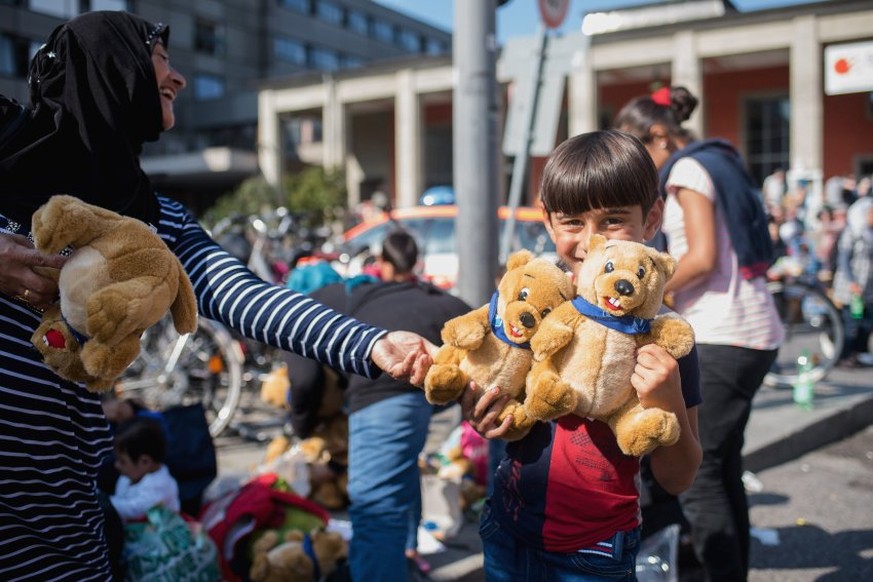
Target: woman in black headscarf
(101, 87)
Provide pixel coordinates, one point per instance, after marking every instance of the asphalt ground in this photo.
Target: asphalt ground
(778, 437)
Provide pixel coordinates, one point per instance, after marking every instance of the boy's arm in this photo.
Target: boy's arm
(657, 382)
(139, 498)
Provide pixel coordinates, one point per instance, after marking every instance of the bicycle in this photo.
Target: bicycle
(205, 366)
(813, 326)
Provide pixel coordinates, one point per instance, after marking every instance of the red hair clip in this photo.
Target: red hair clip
(662, 96)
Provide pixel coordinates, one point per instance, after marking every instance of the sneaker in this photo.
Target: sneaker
(865, 358)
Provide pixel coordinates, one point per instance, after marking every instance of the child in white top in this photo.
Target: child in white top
(145, 482)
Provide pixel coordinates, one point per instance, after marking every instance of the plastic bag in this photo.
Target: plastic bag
(658, 558)
(167, 548)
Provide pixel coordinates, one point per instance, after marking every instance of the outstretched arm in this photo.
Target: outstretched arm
(228, 292)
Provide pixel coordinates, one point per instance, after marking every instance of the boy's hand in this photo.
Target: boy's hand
(481, 409)
(656, 379)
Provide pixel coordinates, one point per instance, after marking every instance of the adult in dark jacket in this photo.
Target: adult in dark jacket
(389, 419)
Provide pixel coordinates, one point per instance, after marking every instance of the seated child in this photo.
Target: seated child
(140, 450)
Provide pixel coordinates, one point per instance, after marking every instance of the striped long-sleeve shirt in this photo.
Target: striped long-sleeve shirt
(53, 434)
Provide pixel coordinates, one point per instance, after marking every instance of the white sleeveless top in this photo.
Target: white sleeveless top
(725, 308)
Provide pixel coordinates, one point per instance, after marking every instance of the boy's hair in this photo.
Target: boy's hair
(400, 249)
(142, 436)
(600, 169)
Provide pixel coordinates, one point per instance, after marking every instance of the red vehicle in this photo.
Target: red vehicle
(434, 229)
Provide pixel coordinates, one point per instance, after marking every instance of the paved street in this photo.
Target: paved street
(815, 502)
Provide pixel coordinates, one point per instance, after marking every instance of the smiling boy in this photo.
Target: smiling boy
(565, 504)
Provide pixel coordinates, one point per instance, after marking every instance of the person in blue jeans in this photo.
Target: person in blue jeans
(565, 502)
(388, 419)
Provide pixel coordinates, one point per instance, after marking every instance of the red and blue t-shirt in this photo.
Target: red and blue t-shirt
(567, 485)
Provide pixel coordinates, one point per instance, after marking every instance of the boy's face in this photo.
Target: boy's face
(134, 470)
(570, 232)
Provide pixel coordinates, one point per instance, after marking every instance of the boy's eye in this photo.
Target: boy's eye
(609, 267)
(641, 272)
(522, 295)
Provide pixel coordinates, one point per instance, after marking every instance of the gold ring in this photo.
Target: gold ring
(26, 293)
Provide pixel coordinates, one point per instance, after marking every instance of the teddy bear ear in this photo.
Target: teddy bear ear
(519, 258)
(596, 241)
(666, 262)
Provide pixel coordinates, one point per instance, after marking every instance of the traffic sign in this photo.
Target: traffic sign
(553, 12)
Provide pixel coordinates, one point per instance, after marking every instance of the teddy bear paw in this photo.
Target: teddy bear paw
(550, 398)
(650, 429)
(444, 383)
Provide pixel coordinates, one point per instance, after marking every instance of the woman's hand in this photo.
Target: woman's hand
(481, 409)
(404, 355)
(18, 277)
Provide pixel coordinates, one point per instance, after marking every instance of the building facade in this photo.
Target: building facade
(761, 77)
(225, 48)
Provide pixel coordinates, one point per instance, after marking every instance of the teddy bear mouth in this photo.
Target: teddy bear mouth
(515, 332)
(612, 303)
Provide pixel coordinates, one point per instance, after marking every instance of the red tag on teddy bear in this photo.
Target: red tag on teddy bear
(55, 339)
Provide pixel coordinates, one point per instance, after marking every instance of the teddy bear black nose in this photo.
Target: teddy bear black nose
(624, 287)
(527, 320)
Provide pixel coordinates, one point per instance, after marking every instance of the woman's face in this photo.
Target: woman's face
(170, 82)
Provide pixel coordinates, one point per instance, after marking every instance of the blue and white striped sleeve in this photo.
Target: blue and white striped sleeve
(231, 294)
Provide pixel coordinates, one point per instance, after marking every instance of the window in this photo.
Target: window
(357, 21)
(409, 41)
(59, 8)
(383, 31)
(767, 134)
(351, 61)
(289, 50)
(208, 87)
(329, 12)
(433, 46)
(117, 5)
(298, 5)
(208, 38)
(323, 59)
(14, 56)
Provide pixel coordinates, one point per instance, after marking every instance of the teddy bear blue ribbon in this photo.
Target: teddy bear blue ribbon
(497, 324)
(625, 323)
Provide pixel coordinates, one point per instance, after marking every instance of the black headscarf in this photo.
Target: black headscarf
(93, 102)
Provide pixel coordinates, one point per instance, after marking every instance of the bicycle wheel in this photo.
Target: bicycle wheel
(813, 325)
(174, 369)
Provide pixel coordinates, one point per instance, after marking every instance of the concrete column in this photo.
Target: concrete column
(806, 95)
(582, 93)
(333, 127)
(407, 140)
(686, 71)
(269, 139)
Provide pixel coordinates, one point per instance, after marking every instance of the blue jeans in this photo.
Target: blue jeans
(507, 559)
(385, 439)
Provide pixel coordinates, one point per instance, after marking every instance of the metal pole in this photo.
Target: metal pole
(519, 164)
(475, 147)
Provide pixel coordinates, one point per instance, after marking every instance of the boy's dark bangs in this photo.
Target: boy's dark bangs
(610, 172)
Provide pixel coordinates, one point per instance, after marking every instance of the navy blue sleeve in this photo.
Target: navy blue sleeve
(689, 372)
(230, 293)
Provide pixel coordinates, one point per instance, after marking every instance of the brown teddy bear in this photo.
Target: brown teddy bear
(297, 557)
(119, 280)
(490, 344)
(585, 351)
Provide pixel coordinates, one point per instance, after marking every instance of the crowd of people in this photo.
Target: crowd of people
(825, 231)
(564, 501)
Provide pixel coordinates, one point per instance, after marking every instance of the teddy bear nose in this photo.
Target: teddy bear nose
(624, 287)
(527, 320)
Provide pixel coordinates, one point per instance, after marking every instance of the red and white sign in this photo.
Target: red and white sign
(553, 12)
(848, 68)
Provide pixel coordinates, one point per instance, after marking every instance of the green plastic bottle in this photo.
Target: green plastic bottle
(803, 389)
(856, 306)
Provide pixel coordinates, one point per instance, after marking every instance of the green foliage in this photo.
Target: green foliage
(318, 196)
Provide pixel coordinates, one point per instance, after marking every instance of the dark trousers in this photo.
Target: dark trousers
(857, 331)
(715, 505)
